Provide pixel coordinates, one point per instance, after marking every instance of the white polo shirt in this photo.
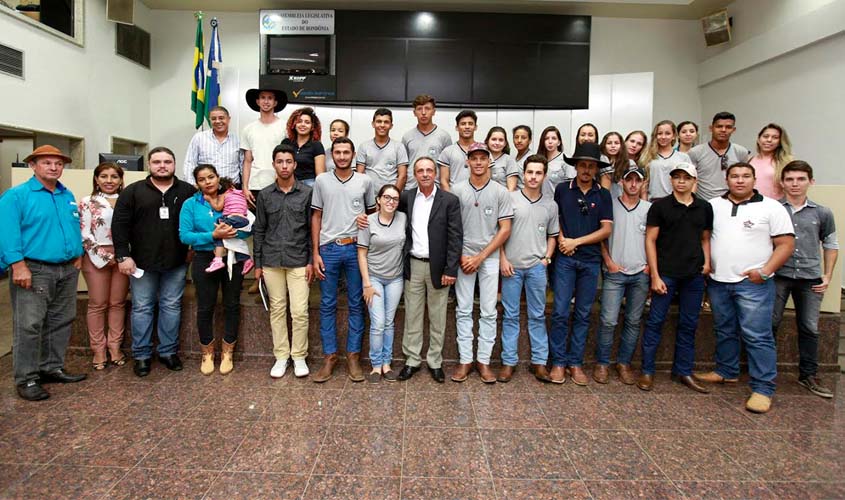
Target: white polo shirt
(742, 235)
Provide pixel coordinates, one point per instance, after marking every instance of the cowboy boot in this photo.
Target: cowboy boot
(226, 362)
(325, 372)
(207, 365)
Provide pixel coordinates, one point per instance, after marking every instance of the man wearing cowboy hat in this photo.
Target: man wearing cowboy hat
(43, 246)
(259, 138)
(586, 218)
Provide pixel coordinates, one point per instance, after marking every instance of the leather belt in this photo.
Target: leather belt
(420, 258)
(346, 241)
(43, 263)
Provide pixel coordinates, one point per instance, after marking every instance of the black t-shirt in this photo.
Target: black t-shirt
(679, 253)
(304, 157)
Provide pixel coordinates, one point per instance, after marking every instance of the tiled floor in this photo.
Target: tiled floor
(179, 434)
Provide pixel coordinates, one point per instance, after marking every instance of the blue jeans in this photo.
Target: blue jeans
(581, 279)
(534, 281)
(744, 311)
(634, 288)
(166, 288)
(807, 307)
(42, 319)
(382, 314)
(690, 292)
(337, 259)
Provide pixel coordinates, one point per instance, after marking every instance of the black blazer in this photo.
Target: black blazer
(445, 234)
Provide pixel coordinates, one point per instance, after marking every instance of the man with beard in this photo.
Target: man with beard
(145, 229)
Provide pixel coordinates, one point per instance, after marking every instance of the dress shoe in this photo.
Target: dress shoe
(59, 376)
(645, 382)
(714, 378)
(461, 372)
(142, 367)
(172, 362)
(407, 372)
(600, 374)
(505, 374)
(487, 375)
(325, 372)
(557, 375)
(32, 391)
(758, 403)
(541, 373)
(353, 366)
(437, 374)
(578, 375)
(691, 383)
(626, 374)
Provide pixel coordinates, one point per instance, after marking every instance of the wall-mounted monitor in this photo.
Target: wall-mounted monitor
(126, 162)
(298, 54)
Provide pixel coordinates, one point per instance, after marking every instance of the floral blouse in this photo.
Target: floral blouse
(95, 214)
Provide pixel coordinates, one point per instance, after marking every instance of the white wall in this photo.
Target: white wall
(78, 91)
(627, 80)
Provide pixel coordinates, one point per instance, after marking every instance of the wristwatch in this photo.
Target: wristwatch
(547, 260)
(765, 276)
(121, 259)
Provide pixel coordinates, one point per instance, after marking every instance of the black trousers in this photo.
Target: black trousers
(207, 285)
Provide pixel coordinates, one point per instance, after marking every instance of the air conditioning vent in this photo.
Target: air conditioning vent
(11, 61)
(133, 43)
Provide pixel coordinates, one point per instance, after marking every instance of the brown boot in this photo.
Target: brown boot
(505, 374)
(600, 374)
(645, 382)
(226, 362)
(626, 374)
(461, 372)
(541, 373)
(356, 374)
(207, 365)
(558, 375)
(486, 374)
(326, 370)
(578, 375)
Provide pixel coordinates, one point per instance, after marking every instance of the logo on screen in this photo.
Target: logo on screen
(268, 22)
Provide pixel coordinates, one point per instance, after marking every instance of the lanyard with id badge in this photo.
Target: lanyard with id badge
(164, 210)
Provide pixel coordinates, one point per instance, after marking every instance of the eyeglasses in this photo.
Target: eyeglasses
(582, 205)
(724, 160)
(390, 199)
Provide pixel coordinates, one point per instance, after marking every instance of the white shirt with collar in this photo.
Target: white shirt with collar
(419, 223)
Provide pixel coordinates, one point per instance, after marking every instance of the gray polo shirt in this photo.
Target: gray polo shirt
(520, 167)
(454, 157)
(627, 240)
(419, 144)
(340, 202)
(557, 171)
(660, 184)
(382, 163)
(385, 245)
(813, 224)
(534, 222)
(711, 177)
(503, 167)
(481, 211)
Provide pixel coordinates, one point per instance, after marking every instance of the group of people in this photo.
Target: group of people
(655, 218)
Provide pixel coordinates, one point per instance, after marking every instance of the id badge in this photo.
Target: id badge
(164, 213)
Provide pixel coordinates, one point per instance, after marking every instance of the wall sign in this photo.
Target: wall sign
(296, 22)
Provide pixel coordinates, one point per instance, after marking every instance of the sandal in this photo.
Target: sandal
(99, 366)
(119, 362)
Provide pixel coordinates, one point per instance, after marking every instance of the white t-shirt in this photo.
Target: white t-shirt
(742, 235)
(261, 138)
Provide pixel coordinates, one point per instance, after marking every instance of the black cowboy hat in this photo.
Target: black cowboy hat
(252, 96)
(587, 151)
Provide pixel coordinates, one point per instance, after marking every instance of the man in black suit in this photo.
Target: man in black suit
(432, 256)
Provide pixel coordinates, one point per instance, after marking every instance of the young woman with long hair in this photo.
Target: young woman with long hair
(635, 142)
(304, 133)
(660, 158)
(612, 149)
(503, 168)
(551, 145)
(774, 151)
(687, 136)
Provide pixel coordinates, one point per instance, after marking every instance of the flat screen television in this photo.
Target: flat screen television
(298, 54)
(126, 162)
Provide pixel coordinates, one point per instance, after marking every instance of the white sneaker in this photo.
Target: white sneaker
(300, 369)
(279, 367)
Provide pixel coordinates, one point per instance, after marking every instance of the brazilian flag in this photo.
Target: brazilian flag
(198, 85)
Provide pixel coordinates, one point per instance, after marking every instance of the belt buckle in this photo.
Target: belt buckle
(339, 242)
